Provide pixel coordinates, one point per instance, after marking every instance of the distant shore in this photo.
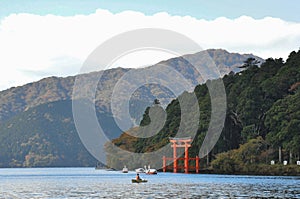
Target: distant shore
(254, 169)
(260, 169)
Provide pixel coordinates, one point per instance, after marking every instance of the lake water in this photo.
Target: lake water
(91, 183)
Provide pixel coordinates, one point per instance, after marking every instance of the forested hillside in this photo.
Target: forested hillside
(262, 118)
(36, 121)
(43, 136)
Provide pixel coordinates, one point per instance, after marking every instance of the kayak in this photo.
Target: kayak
(138, 181)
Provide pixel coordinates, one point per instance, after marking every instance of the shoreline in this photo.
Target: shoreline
(252, 170)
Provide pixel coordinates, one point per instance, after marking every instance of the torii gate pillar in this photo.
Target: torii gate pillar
(181, 142)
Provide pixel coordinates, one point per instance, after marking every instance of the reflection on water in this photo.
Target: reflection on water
(90, 183)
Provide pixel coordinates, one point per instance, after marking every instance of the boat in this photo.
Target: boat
(140, 170)
(138, 181)
(125, 169)
(110, 169)
(150, 171)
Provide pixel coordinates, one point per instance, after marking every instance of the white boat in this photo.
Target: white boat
(150, 171)
(140, 170)
(125, 169)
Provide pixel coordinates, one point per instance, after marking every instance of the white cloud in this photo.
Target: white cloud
(33, 46)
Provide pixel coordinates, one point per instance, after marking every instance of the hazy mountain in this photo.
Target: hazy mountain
(18, 99)
(36, 122)
(43, 136)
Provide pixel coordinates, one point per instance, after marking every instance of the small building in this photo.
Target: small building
(285, 162)
(272, 162)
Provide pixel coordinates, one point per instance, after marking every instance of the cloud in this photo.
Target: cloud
(33, 46)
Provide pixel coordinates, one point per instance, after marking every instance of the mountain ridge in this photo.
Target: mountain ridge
(48, 93)
(17, 99)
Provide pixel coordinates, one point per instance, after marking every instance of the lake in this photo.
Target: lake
(91, 183)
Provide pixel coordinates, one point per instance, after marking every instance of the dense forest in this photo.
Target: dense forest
(43, 136)
(262, 122)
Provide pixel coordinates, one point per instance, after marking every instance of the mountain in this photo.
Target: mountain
(44, 135)
(223, 60)
(36, 122)
(262, 118)
(17, 99)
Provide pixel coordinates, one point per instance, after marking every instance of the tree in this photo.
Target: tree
(156, 101)
(283, 122)
(250, 63)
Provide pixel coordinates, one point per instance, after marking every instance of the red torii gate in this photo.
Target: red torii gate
(180, 143)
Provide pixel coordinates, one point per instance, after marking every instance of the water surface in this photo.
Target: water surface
(91, 183)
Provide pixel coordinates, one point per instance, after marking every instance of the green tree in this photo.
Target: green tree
(283, 122)
(250, 63)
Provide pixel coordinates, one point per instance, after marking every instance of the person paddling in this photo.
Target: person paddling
(138, 177)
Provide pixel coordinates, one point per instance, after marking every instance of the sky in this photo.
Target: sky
(54, 37)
